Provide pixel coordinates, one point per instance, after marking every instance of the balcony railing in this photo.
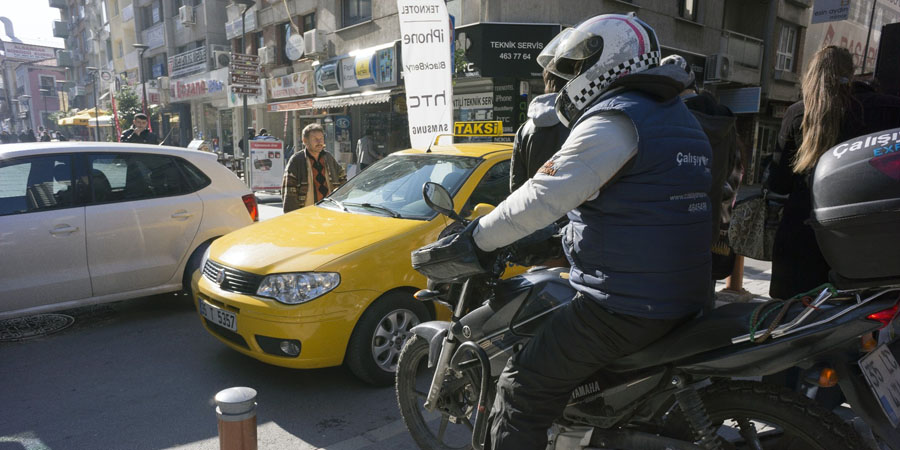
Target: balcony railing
(744, 50)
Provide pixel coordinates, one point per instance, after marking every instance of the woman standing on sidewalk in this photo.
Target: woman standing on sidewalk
(832, 110)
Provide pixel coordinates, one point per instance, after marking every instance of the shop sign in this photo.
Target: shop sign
(830, 11)
(266, 164)
(426, 35)
(236, 100)
(155, 36)
(295, 84)
(365, 69)
(291, 105)
(505, 104)
(348, 73)
(473, 101)
(485, 128)
(28, 52)
(188, 63)
(328, 79)
(200, 86)
(372, 67)
(503, 50)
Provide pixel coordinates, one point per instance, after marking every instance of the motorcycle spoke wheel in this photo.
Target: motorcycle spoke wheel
(757, 416)
(432, 430)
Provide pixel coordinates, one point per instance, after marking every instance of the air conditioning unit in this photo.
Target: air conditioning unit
(314, 42)
(266, 55)
(718, 68)
(163, 83)
(186, 15)
(221, 59)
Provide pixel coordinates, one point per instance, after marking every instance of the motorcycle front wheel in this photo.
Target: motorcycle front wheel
(753, 415)
(449, 426)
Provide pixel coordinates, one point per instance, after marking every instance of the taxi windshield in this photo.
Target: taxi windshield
(393, 185)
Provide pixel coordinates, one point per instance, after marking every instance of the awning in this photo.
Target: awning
(362, 98)
(103, 121)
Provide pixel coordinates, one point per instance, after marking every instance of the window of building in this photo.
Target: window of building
(260, 41)
(355, 11)
(121, 49)
(109, 50)
(114, 7)
(687, 9)
(48, 83)
(309, 22)
(285, 31)
(787, 47)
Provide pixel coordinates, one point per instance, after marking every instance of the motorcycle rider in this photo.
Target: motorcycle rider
(633, 176)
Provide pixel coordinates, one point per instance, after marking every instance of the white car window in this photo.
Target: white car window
(129, 177)
(35, 184)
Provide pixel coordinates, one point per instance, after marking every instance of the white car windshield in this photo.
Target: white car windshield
(393, 186)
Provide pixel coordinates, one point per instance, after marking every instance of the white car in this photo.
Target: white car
(87, 223)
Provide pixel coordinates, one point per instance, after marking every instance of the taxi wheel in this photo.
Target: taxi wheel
(379, 336)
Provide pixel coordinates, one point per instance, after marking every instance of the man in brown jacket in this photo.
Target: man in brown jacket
(312, 173)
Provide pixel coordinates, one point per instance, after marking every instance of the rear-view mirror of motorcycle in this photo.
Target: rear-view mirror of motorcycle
(438, 198)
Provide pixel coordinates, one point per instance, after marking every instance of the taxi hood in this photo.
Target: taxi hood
(305, 239)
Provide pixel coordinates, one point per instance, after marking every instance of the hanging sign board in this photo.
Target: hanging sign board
(266, 165)
(426, 35)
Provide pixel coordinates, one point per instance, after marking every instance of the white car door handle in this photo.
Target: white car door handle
(63, 229)
(182, 215)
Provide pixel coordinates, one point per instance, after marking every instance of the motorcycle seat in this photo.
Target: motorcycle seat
(706, 333)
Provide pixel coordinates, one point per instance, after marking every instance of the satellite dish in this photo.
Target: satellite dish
(294, 47)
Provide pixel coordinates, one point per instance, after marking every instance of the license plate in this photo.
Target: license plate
(218, 316)
(883, 374)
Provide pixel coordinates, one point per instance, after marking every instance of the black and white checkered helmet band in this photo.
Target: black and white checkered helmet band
(582, 91)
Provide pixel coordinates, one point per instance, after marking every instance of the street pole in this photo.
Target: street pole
(244, 113)
(868, 36)
(94, 72)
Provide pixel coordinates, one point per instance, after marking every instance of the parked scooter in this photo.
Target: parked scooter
(678, 393)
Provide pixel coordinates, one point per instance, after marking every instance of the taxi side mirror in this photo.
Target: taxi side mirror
(481, 209)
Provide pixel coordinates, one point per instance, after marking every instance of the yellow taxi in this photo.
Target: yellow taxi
(332, 283)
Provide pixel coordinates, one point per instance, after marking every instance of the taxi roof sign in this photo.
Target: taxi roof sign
(480, 128)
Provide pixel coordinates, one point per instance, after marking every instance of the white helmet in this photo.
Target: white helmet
(595, 53)
(680, 62)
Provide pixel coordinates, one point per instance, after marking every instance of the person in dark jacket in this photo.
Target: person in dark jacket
(834, 109)
(139, 133)
(27, 136)
(251, 133)
(539, 137)
(312, 173)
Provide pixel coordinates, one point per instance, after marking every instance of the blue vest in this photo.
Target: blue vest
(642, 246)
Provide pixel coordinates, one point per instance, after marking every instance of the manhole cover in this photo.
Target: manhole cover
(22, 328)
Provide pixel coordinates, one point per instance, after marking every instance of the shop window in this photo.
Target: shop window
(787, 48)
(309, 22)
(687, 9)
(355, 11)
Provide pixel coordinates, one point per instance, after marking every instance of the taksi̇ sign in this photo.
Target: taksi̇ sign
(486, 128)
(425, 35)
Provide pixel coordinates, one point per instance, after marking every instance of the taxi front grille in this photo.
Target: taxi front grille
(234, 280)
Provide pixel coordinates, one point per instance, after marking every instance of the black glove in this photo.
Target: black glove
(452, 257)
(537, 247)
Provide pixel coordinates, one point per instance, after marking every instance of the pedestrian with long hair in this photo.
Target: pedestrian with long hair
(834, 108)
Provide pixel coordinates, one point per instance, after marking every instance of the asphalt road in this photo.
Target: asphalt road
(142, 374)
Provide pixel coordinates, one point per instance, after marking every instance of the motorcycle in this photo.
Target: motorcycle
(693, 389)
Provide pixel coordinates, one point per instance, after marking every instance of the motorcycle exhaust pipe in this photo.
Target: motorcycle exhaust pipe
(479, 430)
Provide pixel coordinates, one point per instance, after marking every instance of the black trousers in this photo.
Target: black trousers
(578, 340)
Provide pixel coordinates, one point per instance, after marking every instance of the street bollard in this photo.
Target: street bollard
(236, 410)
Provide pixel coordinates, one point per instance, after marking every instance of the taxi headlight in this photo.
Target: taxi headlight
(296, 288)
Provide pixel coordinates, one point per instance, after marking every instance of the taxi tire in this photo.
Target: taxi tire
(359, 357)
